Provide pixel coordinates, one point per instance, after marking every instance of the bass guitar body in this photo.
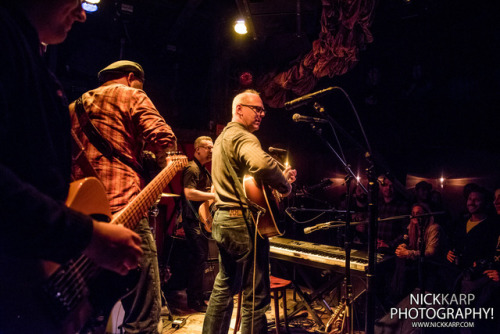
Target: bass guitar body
(46, 297)
(76, 297)
(270, 200)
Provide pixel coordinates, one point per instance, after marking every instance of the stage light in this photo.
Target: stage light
(240, 27)
(89, 7)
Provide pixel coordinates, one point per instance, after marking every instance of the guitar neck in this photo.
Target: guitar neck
(135, 210)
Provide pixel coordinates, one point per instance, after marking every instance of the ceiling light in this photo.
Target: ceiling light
(89, 7)
(95, 2)
(240, 27)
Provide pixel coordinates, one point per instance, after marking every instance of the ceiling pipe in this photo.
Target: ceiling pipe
(299, 19)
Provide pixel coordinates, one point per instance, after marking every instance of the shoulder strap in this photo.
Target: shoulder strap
(96, 138)
(79, 156)
(191, 207)
(205, 170)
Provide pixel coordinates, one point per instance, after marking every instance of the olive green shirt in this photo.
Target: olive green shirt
(247, 157)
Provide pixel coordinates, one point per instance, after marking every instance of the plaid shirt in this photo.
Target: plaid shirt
(127, 118)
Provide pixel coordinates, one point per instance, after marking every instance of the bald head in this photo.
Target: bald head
(248, 110)
(244, 98)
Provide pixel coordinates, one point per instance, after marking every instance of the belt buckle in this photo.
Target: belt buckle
(235, 213)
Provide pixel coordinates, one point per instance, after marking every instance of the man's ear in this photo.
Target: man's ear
(238, 111)
(130, 78)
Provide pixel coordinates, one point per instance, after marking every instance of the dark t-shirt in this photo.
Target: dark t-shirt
(194, 176)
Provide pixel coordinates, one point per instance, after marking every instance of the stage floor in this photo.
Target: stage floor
(302, 322)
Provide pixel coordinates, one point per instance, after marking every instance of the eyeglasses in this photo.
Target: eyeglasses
(256, 109)
(207, 147)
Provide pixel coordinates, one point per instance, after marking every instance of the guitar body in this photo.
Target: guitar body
(27, 306)
(205, 214)
(270, 200)
(46, 297)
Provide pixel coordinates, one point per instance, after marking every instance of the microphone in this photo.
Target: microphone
(311, 229)
(298, 102)
(308, 119)
(276, 150)
(316, 227)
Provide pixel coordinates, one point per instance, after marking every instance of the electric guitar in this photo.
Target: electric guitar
(205, 214)
(45, 297)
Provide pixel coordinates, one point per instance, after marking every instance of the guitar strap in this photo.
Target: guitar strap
(191, 207)
(80, 158)
(101, 143)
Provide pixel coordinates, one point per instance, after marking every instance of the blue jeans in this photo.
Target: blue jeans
(142, 308)
(234, 234)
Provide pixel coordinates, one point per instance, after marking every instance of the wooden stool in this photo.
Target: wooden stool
(278, 285)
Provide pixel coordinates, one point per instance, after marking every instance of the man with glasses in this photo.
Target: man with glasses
(197, 183)
(127, 119)
(243, 256)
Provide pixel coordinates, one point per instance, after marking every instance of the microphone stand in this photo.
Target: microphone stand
(347, 300)
(372, 240)
(372, 192)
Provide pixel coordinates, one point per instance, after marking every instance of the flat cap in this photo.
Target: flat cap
(123, 66)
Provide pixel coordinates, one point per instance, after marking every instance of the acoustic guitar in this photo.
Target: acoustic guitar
(268, 198)
(45, 297)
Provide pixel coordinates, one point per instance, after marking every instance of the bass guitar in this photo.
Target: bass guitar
(45, 297)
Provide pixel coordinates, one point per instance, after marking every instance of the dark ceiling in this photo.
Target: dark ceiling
(425, 89)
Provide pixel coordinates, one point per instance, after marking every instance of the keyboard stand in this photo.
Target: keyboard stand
(317, 295)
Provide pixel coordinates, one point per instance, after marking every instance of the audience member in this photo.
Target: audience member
(423, 192)
(475, 238)
(390, 205)
(477, 251)
(406, 276)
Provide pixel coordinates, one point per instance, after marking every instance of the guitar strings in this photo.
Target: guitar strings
(67, 281)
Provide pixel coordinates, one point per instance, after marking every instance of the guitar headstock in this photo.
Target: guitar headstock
(177, 158)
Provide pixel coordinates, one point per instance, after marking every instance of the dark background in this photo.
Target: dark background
(426, 89)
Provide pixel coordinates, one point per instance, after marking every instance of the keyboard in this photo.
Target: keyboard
(317, 255)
